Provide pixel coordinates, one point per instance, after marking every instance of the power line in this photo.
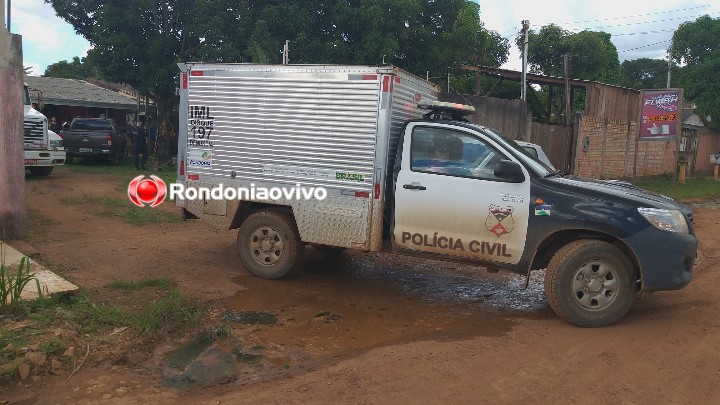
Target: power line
(642, 33)
(650, 22)
(644, 46)
(638, 15)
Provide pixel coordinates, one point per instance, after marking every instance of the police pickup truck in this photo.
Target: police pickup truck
(408, 175)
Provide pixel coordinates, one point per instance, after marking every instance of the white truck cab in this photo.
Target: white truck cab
(42, 150)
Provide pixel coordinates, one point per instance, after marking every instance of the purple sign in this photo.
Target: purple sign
(659, 113)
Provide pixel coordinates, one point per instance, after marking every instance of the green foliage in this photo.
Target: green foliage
(647, 73)
(139, 42)
(592, 55)
(697, 45)
(12, 283)
(693, 188)
(77, 69)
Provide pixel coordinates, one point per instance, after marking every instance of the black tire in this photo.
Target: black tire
(68, 159)
(590, 283)
(269, 244)
(41, 170)
(114, 157)
(328, 250)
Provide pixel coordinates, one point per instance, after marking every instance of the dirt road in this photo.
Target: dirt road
(366, 328)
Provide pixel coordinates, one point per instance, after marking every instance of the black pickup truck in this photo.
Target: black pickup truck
(93, 137)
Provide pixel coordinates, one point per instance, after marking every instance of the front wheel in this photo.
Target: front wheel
(590, 283)
(269, 244)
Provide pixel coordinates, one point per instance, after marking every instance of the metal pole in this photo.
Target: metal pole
(523, 90)
(448, 81)
(9, 7)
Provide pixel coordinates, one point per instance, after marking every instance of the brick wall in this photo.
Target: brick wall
(708, 142)
(610, 151)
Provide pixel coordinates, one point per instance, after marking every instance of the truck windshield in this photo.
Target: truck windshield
(521, 153)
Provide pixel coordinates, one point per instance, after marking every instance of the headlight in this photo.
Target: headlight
(665, 220)
(56, 144)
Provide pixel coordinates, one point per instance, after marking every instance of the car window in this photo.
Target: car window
(87, 124)
(531, 150)
(448, 152)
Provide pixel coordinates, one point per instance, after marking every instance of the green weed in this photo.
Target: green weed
(693, 188)
(13, 283)
(156, 282)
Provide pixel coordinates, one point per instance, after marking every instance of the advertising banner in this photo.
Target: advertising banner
(659, 114)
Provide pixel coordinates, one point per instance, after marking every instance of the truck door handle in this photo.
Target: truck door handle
(414, 186)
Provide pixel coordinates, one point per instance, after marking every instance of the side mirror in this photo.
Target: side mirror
(509, 171)
(66, 126)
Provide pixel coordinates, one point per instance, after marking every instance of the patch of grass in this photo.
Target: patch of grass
(145, 216)
(37, 221)
(161, 283)
(126, 166)
(101, 201)
(51, 346)
(173, 312)
(693, 188)
(116, 207)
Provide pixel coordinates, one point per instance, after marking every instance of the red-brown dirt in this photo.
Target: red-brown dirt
(368, 328)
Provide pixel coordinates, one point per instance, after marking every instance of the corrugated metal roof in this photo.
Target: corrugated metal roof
(72, 92)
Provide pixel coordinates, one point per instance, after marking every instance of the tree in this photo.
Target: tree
(697, 45)
(646, 73)
(139, 42)
(592, 55)
(77, 69)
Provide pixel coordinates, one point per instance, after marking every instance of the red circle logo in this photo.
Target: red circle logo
(148, 191)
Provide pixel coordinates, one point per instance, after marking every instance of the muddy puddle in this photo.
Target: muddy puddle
(341, 304)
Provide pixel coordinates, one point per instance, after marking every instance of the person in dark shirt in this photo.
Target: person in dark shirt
(53, 125)
(140, 145)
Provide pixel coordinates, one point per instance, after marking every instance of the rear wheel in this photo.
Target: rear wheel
(269, 244)
(41, 170)
(114, 157)
(590, 283)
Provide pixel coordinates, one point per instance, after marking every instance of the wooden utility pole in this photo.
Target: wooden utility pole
(568, 107)
(12, 163)
(523, 88)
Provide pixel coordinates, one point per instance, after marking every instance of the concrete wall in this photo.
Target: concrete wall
(12, 163)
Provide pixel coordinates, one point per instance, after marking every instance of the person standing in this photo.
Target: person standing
(54, 126)
(140, 145)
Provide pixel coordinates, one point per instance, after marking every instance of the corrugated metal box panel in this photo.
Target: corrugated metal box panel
(300, 127)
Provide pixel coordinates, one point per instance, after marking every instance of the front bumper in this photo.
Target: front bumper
(666, 258)
(44, 158)
(80, 152)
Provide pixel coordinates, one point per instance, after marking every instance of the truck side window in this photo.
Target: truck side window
(444, 151)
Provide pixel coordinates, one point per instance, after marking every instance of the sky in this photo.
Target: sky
(639, 28)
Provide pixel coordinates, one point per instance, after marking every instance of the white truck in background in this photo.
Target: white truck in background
(43, 148)
(403, 180)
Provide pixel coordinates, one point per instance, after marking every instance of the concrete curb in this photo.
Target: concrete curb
(50, 283)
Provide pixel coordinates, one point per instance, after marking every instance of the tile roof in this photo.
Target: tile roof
(72, 92)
